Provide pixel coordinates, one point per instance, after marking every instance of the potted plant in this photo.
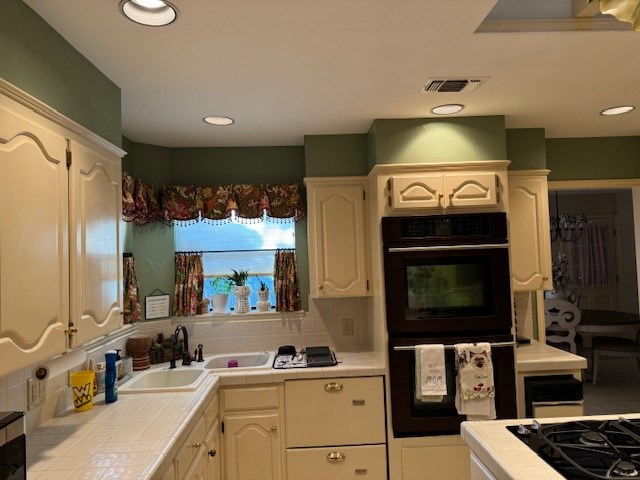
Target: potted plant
(263, 304)
(240, 289)
(220, 298)
(561, 278)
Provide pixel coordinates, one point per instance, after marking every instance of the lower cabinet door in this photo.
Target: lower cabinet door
(337, 463)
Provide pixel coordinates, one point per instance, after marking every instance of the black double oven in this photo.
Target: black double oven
(447, 281)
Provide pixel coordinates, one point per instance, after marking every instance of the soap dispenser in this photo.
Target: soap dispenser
(111, 377)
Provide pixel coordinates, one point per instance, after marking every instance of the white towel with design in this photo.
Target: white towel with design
(431, 374)
(475, 388)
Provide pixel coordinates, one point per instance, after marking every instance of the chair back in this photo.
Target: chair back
(561, 318)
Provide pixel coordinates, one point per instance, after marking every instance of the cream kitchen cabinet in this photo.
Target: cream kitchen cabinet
(336, 231)
(252, 432)
(335, 428)
(529, 238)
(443, 190)
(60, 275)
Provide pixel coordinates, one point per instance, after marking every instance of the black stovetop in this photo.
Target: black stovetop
(585, 450)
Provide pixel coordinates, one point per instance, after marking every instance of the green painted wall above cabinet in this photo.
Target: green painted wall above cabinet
(37, 59)
(431, 140)
(526, 148)
(335, 155)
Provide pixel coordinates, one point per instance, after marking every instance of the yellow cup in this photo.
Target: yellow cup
(82, 388)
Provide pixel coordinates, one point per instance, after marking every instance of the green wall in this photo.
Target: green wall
(593, 158)
(432, 140)
(335, 155)
(526, 148)
(153, 245)
(38, 60)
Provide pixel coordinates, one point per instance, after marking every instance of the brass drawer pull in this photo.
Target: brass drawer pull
(274, 428)
(336, 457)
(194, 445)
(333, 386)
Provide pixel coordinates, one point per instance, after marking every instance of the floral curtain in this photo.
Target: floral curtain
(213, 203)
(131, 300)
(139, 202)
(287, 288)
(189, 284)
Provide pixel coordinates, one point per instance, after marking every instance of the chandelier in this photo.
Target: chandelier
(567, 227)
(623, 10)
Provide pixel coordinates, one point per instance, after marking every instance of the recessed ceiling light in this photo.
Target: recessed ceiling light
(219, 120)
(153, 13)
(617, 110)
(447, 109)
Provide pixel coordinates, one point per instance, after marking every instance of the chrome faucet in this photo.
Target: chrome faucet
(186, 356)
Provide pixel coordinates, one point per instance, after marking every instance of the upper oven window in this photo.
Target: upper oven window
(445, 287)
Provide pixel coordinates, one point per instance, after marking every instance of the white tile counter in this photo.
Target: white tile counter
(505, 455)
(137, 436)
(537, 357)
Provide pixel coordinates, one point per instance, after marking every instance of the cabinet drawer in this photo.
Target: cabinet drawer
(337, 463)
(250, 398)
(334, 411)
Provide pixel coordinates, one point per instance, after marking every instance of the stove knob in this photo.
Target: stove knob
(522, 430)
(535, 426)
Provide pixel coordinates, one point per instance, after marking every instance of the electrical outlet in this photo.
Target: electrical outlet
(347, 326)
(36, 393)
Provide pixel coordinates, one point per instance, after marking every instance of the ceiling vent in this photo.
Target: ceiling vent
(452, 85)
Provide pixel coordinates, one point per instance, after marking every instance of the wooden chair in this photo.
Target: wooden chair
(614, 347)
(561, 318)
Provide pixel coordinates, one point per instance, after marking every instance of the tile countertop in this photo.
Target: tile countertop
(506, 456)
(137, 436)
(540, 356)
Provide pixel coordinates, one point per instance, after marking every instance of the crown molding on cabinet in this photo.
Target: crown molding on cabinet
(46, 111)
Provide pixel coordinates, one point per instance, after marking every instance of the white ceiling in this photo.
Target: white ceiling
(286, 68)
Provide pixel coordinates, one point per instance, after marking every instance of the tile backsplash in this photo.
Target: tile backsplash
(321, 325)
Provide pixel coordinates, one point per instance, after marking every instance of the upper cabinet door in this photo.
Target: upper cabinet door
(471, 190)
(337, 250)
(96, 261)
(421, 191)
(34, 276)
(529, 231)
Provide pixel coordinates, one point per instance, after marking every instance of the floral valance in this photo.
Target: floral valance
(210, 203)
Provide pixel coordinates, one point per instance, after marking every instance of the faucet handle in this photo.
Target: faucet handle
(200, 359)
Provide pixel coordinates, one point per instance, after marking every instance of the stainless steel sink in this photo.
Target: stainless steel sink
(165, 380)
(244, 361)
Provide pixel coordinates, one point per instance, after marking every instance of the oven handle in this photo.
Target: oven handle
(451, 347)
(436, 248)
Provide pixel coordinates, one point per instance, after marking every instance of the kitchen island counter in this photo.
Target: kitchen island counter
(506, 456)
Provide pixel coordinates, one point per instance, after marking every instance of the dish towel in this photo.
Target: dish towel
(431, 375)
(475, 389)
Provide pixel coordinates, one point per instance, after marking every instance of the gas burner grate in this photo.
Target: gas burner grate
(584, 450)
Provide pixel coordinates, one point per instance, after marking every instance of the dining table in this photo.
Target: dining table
(610, 323)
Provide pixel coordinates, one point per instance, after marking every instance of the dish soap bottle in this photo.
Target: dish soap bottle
(110, 378)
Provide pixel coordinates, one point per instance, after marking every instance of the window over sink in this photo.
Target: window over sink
(237, 244)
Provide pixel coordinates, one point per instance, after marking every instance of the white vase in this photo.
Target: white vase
(242, 293)
(559, 294)
(263, 304)
(219, 302)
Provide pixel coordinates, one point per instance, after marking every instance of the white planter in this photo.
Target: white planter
(219, 302)
(263, 304)
(242, 293)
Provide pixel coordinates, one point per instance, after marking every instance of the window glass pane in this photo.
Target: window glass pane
(237, 246)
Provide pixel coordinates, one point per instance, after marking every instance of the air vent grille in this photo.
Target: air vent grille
(453, 85)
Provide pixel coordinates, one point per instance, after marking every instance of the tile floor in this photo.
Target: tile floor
(617, 389)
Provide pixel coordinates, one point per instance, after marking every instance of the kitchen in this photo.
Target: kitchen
(332, 155)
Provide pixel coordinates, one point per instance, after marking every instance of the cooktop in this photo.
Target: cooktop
(584, 450)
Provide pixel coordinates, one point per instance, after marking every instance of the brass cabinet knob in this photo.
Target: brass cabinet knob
(336, 457)
(320, 287)
(545, 278)
(274, 428)
(334, 386)
(195, 445)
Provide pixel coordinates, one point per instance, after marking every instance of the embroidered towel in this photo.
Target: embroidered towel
(475, 390)
(431, 375)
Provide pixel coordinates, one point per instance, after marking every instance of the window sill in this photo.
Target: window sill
(250, 316)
